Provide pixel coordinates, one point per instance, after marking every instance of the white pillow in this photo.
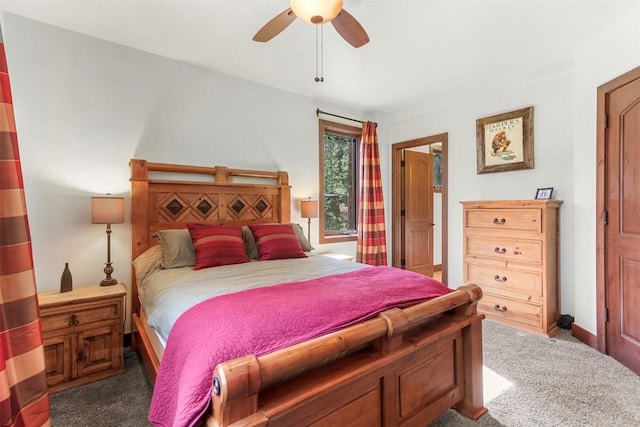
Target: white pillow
(147, 262)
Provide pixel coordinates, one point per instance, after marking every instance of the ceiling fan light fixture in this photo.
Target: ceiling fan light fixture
(316, 11)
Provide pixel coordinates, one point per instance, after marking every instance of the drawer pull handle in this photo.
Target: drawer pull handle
(500, 251)
(498, 308)
(499, 279)
(81, 357)
(73, 320)
(500, 221)
(517, 252)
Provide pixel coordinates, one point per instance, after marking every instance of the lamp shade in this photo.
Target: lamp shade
(107, 210)
(307, 10)
(309, 208)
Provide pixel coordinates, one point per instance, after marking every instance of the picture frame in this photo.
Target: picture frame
(544, 193)
(504, 142)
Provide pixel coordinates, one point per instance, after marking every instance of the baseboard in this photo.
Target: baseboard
(585, 336)
(437, 267)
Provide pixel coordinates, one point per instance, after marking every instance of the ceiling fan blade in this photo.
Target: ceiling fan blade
(275, 26)
(350, 29)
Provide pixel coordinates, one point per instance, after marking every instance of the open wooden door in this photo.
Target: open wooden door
(620, 105)
(417, 202)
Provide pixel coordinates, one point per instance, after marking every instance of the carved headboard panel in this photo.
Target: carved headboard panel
(165, 196)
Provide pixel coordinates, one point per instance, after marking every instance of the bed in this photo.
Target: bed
(405, 365)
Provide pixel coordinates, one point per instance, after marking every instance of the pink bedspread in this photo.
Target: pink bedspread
(259, 321)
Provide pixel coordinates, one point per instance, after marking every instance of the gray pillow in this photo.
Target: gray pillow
(177, 248)
(306, 246)
(250, 246)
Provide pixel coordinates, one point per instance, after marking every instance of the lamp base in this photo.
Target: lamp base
(109, 282)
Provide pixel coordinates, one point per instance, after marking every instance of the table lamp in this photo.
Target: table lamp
(309, 209)
(107, 210)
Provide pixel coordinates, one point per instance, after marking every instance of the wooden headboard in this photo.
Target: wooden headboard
(166, 196)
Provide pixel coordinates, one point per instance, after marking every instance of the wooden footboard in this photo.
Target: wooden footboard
(405, 367)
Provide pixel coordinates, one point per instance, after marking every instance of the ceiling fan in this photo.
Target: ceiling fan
(316, 12)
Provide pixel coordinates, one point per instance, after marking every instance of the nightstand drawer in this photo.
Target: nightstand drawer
(83, 314)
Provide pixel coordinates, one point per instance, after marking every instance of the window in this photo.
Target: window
(437, 169)
(339, 147)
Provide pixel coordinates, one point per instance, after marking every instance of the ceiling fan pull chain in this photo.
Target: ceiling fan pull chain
(319, 53)
(317, 79)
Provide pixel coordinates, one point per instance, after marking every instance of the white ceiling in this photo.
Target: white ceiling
(423, 54)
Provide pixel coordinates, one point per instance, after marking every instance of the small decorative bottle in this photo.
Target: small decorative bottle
(66, 283)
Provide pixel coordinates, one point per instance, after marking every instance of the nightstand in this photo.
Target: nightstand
(339, 256)
(83, 334)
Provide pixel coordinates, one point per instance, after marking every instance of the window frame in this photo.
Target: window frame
(347, 131)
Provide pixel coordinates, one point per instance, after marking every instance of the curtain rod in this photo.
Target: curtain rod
(318, 112)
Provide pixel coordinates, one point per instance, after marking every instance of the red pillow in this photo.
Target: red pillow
(277, 241)
(217, 245)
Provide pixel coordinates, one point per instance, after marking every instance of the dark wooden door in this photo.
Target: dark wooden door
(622, 234)
(418, 212)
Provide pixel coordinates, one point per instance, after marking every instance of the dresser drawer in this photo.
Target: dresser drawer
(69, 316)
(505, 219)
(505, 248)
(527, 283)
(511, 311)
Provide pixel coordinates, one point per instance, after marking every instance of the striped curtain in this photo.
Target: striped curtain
(24, 400)
(372, 243)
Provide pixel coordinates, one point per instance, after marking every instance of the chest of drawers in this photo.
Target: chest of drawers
(511, 252)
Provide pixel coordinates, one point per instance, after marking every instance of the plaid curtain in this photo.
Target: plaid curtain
(24, 400)
(372, 243)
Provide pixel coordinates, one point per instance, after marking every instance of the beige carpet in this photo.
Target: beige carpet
(531, 380)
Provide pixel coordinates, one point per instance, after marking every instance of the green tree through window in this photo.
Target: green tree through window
(339, 181)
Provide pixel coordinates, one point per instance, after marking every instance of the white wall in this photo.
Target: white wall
(552, 98)
(565, 155)
(84, 107)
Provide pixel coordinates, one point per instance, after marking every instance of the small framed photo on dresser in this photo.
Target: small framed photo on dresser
(544, 193)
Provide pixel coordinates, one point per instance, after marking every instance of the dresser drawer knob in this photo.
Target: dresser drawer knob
(517, 251)
(73, 320)
(499, 279)
(500, 221)
(500, 251)
(503, 308)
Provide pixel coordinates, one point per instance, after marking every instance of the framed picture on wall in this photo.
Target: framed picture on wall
(504, 142)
